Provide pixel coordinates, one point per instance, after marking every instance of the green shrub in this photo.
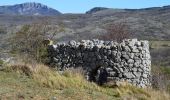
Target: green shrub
(1, 62)
(165, 70)
(28, 41)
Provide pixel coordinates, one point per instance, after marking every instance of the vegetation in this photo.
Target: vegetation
(2, 30)
(23, 81)
(160, 78)
(159, 44)
(117, 32)
(1, 62)
(29, 41)
(160, 65)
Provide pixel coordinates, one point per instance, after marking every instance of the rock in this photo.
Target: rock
(108, 69)
(53, 98)
(134, 69)
(72, 43)
(130, 61)
(137, 43)
(112, 74)
(135, 50)
(125, 56)
(126, 48)
(131, 55)
(129, 75)
(140, 70)
(145, 75)
(137, 74)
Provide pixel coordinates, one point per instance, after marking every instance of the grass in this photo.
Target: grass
(39, 82)
(161, 69)
(165, 70)
(159, 44)
(1, 62)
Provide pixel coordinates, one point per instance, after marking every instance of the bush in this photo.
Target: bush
(28, 41)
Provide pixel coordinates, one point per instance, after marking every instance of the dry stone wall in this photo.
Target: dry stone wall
(106, 61)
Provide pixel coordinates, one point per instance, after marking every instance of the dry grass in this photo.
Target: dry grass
(75, 86)
(51, 78)
(159, 44)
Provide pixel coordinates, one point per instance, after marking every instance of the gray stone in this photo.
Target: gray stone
(145, 75)
(135, 69)
(129, 75)
(112, 73)
(130, 61)
(125, 56)
(135, 50)
(137, 74)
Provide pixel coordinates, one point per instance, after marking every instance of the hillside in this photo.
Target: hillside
(147, 23)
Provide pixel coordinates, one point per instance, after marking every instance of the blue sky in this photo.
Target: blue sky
(81, 6)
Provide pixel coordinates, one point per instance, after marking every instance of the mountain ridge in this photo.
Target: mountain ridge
(34, 8)
(28, 8)
(97, 9)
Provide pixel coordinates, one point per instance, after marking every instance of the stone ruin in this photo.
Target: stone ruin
(105, 61)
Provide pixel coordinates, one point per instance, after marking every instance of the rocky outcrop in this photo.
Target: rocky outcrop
(106, 61)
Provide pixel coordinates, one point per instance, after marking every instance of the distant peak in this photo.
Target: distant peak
(33, 4)
(29, 8)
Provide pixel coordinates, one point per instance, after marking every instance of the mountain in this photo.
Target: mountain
(31, 8)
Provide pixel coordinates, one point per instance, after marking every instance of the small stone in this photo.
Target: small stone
(129, 75)
(137, 74)
(53, 98)
(130, 61)
(145, 75)
(125, 56)
(135, 69)
(112, 73)
(135, 50)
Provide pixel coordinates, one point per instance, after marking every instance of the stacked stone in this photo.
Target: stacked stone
(106, 61)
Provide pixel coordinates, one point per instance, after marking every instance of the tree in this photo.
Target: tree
(29, 41)
(116, 31)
